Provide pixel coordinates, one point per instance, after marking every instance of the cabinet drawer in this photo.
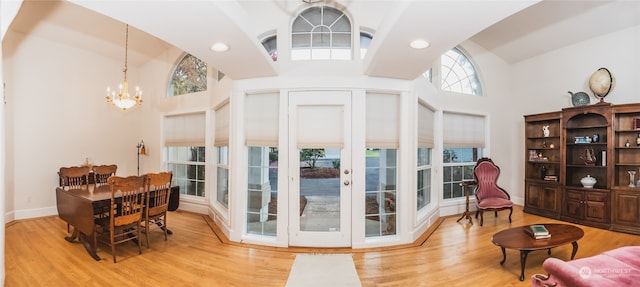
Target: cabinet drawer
(574, 195)
(596, 196)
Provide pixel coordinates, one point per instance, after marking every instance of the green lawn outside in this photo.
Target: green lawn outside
(373, 153)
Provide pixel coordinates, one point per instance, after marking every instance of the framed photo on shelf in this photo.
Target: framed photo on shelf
(636, 124)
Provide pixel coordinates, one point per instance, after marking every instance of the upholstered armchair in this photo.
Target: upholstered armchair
(490, 196)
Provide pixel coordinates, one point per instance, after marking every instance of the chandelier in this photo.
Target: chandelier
(123, 99)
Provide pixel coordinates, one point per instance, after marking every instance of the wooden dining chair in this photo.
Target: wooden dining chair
(125, 215)
(102, 172)
(74, 177)
(159, 191)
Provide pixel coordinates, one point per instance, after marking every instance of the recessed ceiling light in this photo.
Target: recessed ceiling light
(419, 44)
(219, 47)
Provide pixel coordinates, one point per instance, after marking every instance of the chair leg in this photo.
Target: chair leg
(481, 217)
(113, 246)
(477, 211)
(496, 213)
(164, 226)
(146, 232)
(138, 237)
(510, 212)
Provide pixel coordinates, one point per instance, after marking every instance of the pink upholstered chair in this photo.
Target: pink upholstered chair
(490, 196)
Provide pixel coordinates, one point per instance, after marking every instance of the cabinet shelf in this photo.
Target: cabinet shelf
(572, 144)
(544, 162)
(585, 166)
(587, 127)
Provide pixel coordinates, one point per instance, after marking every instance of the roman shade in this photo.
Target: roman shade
(261, 119)
(463, 130)
(425, 127)
(185, 129)
(222, 126)
(320, 126)
(382, 120)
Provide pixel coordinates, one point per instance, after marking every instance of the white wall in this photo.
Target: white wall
(58, 116)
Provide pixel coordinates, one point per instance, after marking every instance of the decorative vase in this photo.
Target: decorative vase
(632, 178)
(588, 181)
(579, 99)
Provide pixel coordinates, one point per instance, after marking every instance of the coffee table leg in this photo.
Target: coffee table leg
(504, 256)
(523, 261)
(575, 249)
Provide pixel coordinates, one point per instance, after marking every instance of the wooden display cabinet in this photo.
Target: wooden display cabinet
(625, 191)
(585, 141)
(542, 168)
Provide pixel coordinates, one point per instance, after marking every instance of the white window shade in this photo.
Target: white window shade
(425, 127)
(463, 130)
(185, 130)
(383, 120)
(320, 126)
(222, 126)
(261, 119)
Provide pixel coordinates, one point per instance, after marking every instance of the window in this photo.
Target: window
(459, 74)
(221, 143)
(382, 142)
(365, 40)
(262, 190)
(184, 141)
(425, 145)
(271, 45)
(261, 131)
(222, 176)
(189, 76)
(321, 33)
(188, 166)
(458, 166)
(463, 143)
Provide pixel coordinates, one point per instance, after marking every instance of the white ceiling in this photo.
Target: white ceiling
(513, 30)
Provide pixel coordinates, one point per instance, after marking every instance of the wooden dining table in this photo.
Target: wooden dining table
(78, 207)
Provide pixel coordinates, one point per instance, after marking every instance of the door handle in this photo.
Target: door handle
(346, 171)
(346, 182)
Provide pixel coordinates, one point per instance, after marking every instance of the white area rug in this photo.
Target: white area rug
(310, 270)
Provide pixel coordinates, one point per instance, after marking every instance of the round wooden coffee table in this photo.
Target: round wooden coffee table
(517, 238)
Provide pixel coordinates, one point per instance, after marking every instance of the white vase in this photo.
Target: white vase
(588, 181)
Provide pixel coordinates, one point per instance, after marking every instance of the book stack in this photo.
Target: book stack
(538, 231)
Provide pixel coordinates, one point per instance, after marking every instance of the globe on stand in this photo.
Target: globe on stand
(601, 82)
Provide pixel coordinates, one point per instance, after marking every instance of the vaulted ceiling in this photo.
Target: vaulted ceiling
(513, 30)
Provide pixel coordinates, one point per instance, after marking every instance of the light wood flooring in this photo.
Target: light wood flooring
(453, 254)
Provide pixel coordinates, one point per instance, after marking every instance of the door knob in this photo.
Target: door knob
(346, 182)
(346, 171)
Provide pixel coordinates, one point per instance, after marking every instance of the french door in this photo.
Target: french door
(320, 168)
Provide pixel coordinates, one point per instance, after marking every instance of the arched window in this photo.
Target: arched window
(458, 74)
(321, 33)
(189, 76)
(271, 45)
(365, 40)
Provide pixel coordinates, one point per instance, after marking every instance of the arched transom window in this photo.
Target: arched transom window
(189, 76)
(458, 73)
(321, 33)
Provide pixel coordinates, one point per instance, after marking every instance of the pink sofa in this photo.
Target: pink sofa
(618, 267)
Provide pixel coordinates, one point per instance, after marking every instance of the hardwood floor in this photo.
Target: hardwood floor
(455, 254)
